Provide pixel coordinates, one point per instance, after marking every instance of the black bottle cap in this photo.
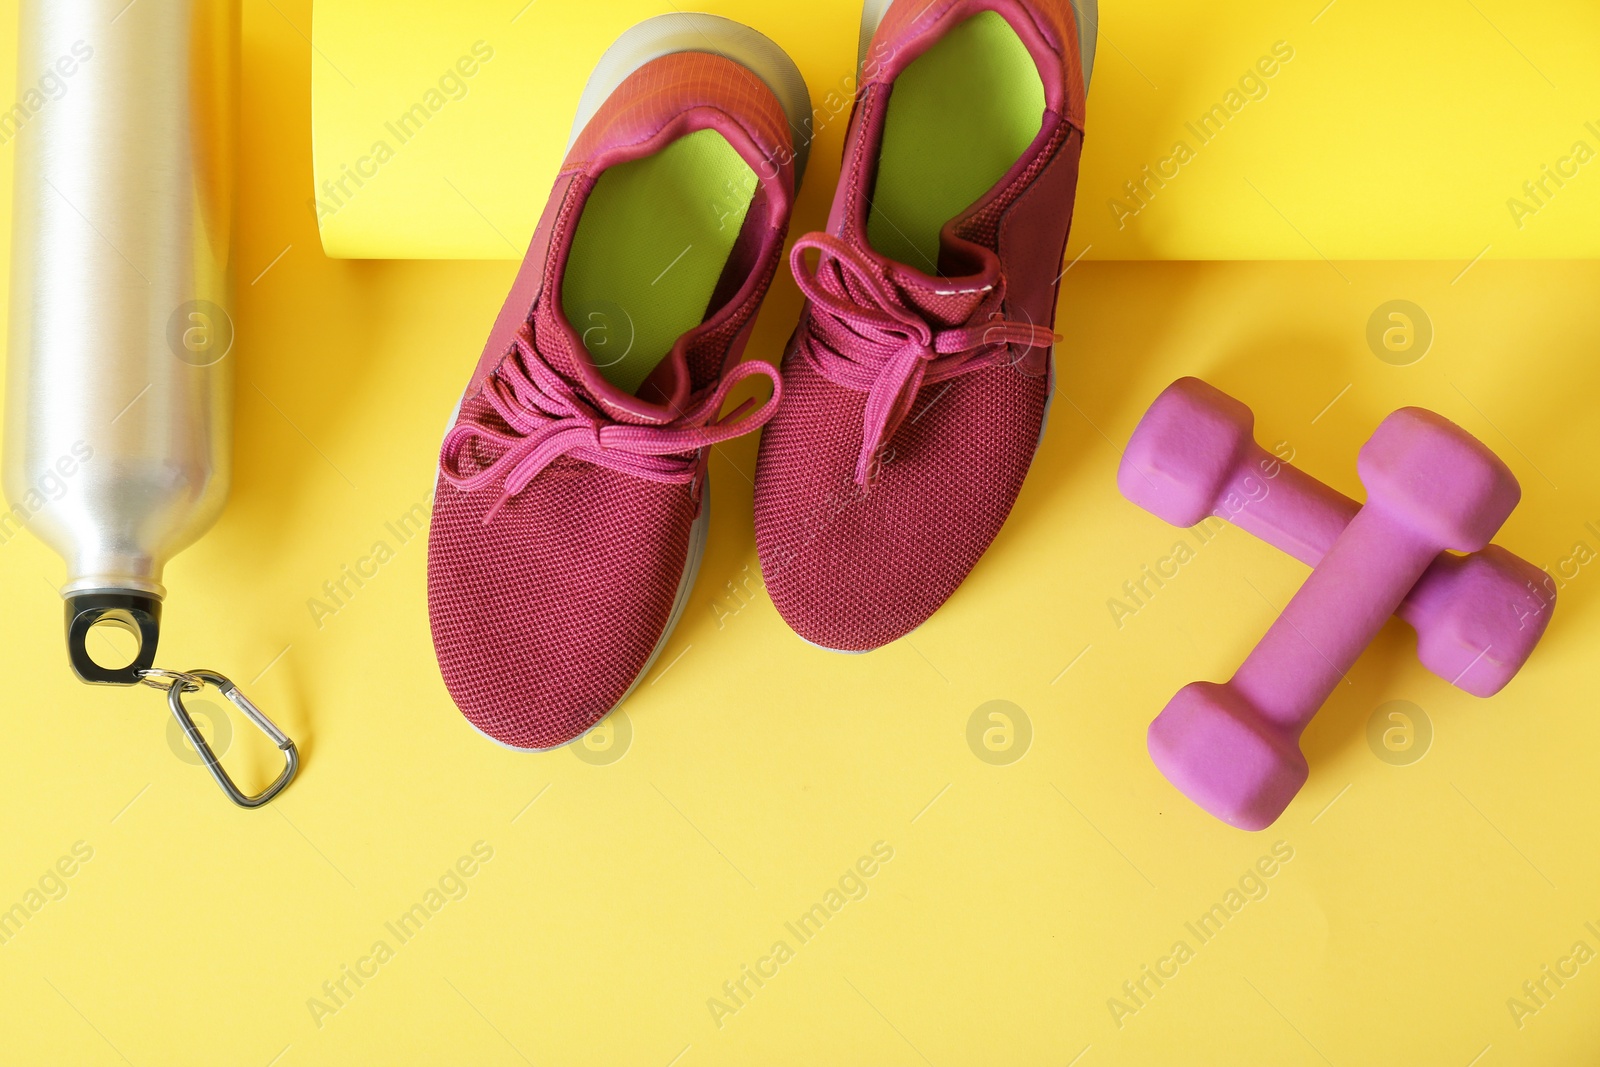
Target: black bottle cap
(137, 613)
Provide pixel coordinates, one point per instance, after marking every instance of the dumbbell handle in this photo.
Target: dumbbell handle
(1297, 514)
(1327, 624)
(1292, 511)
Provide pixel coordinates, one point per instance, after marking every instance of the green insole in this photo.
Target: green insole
(651, 244)
(959, 116)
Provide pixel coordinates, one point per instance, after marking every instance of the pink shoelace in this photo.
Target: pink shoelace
(887, 349)
(549, 419)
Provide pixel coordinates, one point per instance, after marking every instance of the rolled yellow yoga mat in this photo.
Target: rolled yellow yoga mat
(1290, 129)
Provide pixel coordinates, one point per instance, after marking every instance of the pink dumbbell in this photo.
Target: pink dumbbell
(1234, 748)
(1477, 617)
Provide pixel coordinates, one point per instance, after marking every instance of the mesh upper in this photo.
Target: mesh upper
(544, 617)
(853, 567)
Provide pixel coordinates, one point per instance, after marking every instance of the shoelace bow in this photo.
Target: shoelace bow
(549, 419)
(887, 349)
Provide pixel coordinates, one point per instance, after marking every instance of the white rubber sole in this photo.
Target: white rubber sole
(666, 35)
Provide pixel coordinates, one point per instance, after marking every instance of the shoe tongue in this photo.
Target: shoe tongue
(659, 398)
(968, 273)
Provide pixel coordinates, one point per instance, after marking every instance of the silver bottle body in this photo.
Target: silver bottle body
(119, 398)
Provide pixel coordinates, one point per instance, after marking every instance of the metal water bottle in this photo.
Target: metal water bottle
(120, 289)
(119, 399)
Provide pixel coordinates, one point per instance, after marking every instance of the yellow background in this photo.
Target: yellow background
(1398, 130)
(621, 897)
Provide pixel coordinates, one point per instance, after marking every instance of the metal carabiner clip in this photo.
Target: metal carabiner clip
(176, 683)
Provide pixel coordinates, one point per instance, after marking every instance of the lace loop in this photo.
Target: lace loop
(547, 418)
(885, 348)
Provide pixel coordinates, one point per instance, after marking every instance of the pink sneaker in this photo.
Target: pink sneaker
(916, 386)
(571, 508)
